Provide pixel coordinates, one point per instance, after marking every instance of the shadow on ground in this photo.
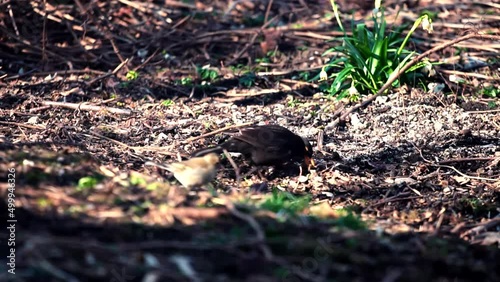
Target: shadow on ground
(54, 248)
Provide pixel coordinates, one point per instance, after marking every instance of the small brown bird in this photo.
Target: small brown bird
(194, 172)
(265, 145)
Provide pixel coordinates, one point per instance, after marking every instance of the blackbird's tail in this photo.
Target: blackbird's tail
(206, 151)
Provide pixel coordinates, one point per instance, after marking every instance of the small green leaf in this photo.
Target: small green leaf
(132, 75)
(86, 183)
(167, 103)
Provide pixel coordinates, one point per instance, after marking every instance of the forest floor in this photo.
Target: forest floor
(406, 188)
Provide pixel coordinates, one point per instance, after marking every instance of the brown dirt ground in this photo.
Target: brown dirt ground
(420, 168)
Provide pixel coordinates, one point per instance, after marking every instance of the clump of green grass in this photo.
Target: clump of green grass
(207, 74)
(167, 103)
(368, 57)
(86, 183)
(132, 75)
(348, 219)
(282, 202)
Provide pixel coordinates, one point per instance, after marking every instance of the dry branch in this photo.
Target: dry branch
(86, 107)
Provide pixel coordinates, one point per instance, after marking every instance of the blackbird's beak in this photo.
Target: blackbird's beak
(309, 162)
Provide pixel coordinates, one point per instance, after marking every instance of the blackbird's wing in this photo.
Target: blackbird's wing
(265, 136)
(269, 139)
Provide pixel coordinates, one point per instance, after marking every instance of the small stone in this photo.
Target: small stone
(33, 120)
(303, 179)
(438, 126)
(381, 99)
(355, 121)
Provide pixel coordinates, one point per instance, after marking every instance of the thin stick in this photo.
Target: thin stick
(254, 224)
(114, 72)
(465, 175)
(483, 112)
(86, 107)
(93, 134)
(252, 41)
(235, 167)
(482, 227)
(467, 160)
(451, 167)
(189, 140)
(23, 125)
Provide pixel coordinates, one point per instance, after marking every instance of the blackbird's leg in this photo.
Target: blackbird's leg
(259, 172)
(253, 170)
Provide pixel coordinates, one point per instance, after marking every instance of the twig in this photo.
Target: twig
(235, 167)
(52, 269)
(188, 109)
(146, 61)
(427, 176)
(109, 36)
(465, 175)
(105, 101)
(252, 41)
(191, 139)
(298, 271)
(44, 32)
(23, 125)
(482, 226)
(45, 73)
(451, 167)
(258, 93)
(439, 221)
(466, 160)
(13, 19)
(393, 199)
(255, 226)
(164, 150)
(114, 72)
(86, 107)
(268, 9)
(93, 134)
(476, 75)
(483, 112)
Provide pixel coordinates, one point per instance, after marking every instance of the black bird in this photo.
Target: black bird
(265, 145)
